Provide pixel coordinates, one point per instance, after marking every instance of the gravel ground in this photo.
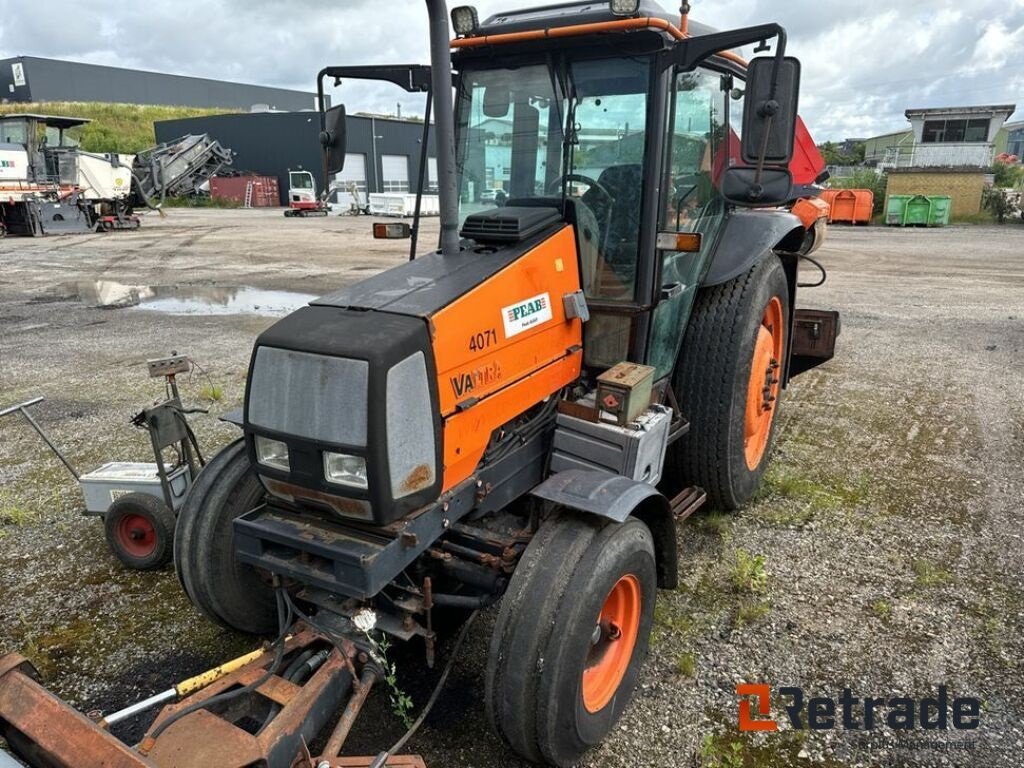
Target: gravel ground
(884, 554)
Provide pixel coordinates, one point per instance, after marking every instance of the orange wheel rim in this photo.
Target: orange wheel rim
(763, 389)
(613, 643)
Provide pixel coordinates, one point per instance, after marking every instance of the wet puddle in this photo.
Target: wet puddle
(187, 300)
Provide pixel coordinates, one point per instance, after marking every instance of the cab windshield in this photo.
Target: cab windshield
(549, 131)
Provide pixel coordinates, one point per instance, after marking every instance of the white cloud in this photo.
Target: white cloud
(864, 63)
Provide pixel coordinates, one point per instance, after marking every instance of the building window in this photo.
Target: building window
(955, 131)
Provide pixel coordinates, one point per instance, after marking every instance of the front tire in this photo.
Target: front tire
(727, 382)
(571, 637)
(227, 591)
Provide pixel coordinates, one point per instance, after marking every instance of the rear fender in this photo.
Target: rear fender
(746, 237)
(617, 498)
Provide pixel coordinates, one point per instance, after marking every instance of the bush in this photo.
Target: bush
(996, 202)
(1008, 175)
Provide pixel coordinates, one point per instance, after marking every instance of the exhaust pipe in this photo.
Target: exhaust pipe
(444, 125)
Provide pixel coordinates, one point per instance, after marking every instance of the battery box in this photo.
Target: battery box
(635, 450)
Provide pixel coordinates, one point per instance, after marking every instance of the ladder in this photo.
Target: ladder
(248, 195)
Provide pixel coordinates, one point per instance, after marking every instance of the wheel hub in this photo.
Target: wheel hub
(763, 388)
(612, 643)
(136, 535)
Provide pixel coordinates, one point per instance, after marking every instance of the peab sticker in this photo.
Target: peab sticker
(526, 314)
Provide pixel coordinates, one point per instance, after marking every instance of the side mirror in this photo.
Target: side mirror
(332, 139)
(742, 186)
(769, 114)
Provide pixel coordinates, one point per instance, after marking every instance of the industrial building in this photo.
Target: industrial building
(34, 79)
(383, 154)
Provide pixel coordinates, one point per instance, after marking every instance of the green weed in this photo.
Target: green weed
(686, 664)
(881, 609)
(928, 574)
(751, 612)
(747, 573)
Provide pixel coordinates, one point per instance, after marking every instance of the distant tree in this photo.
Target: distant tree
(834, 154)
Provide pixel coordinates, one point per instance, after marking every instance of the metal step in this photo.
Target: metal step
(687, 502)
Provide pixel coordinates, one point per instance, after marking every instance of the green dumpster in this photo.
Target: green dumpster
(919, 211)
(896, 209)
(941, 206)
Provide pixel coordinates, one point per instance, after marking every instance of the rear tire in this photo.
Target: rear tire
(227, 591)
(140, 531)
(571, 637)
(727, 384)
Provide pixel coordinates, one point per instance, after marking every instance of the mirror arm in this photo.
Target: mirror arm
(413, 78)
(694, 50)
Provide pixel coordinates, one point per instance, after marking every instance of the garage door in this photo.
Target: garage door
(354, 173)
(395, 170)
(432, 175)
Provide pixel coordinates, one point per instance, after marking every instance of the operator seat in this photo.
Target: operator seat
(621, 227)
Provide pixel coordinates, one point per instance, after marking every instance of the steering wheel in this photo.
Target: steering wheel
(556, 184)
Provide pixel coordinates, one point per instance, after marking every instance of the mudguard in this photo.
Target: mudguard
(746, 237)
(616, 498)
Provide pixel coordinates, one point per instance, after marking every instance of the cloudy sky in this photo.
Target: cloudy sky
(864, 62)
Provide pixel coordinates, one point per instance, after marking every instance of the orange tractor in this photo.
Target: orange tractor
(522, 415)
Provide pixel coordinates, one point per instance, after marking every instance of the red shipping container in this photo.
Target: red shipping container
(853, 206)
(265, 192)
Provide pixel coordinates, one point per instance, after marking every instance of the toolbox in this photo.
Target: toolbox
(103, 486)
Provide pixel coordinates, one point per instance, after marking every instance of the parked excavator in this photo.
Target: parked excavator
(521, 415)
(50, 185)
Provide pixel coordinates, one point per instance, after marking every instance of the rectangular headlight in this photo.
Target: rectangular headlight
(272, 453)
(625, 7)
(343, 469)
(465, 20)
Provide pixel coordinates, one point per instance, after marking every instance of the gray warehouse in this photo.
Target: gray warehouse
(32, 79)
(383, 155)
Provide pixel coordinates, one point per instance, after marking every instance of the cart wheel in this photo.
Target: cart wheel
(140, 531)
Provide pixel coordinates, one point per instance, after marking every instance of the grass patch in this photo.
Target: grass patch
(732, 749)
(712, 522)
(928, 574)
(686, 664)
(747, 573)
(14, 513)
(751, 612)
(211, 392)
(125, 128)
(882, 609)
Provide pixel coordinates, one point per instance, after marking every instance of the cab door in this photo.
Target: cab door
(696, 152)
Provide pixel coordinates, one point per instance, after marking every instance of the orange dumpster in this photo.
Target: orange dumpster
(853, 206)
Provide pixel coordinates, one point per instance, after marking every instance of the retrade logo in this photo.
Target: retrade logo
(851, 712)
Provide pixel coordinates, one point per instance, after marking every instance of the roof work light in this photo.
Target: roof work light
(625, 7)
(465, 20)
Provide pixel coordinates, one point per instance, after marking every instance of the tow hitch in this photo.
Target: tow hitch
(262, 710)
